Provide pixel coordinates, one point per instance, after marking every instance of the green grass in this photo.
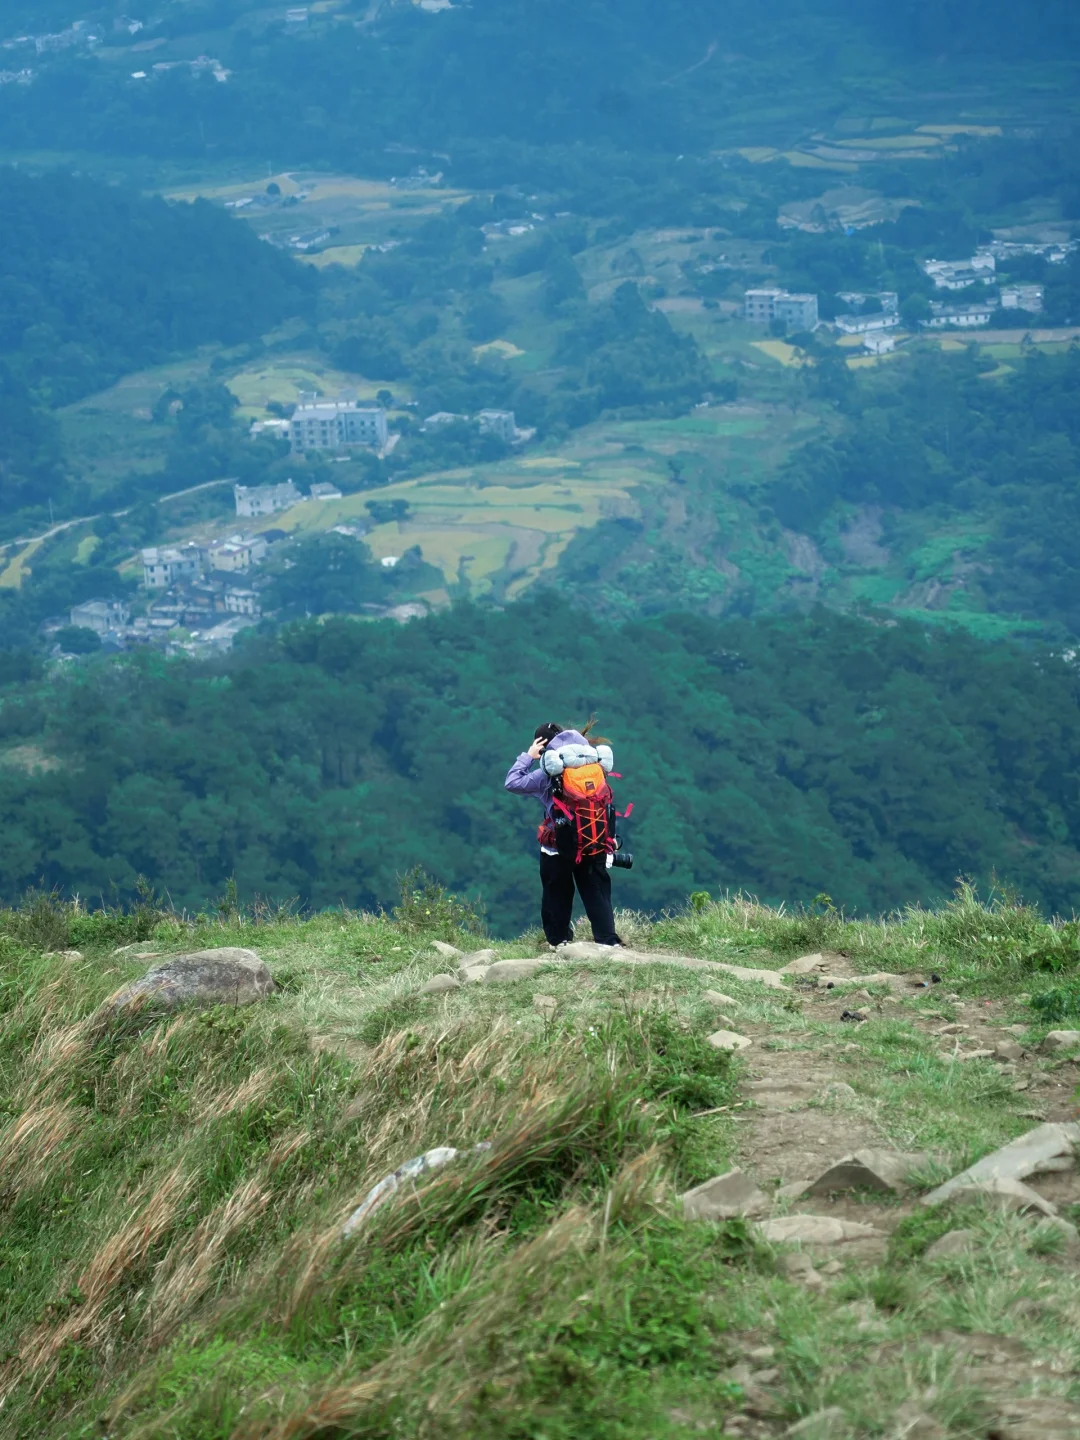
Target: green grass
(174, 1189)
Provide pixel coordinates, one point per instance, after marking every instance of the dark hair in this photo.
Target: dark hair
(548, 731)
(587, 730)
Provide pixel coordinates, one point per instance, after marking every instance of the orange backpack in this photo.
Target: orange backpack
(584, 795)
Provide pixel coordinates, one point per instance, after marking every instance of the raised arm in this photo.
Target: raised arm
(522, 779)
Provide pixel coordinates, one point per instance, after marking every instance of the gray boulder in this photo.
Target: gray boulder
(440, 984)
(505, 972)
(728, 1040)
(816, 1230)
(1061, 1040)
(448, 952)
(884, 1170)
(227, 976)
(1027, 1155)
(723, 1197)
(1006, 1194)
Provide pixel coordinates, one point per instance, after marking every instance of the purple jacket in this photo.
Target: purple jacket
(522, 779)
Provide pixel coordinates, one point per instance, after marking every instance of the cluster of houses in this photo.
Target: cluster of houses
(209, 589)
(874, 314)
(981, 269)
(500, 423)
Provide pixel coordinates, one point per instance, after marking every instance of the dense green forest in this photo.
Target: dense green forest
(98, 281)
(1001, 457)
(504, 81)
(791, 757)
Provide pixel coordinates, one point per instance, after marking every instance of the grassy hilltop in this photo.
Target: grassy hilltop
(174, 1189)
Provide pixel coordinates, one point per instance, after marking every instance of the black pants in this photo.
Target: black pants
(558, 875)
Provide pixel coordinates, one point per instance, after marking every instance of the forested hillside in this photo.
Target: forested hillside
(510, 82)
(1001, 459)
(99, 281)
(874, 763)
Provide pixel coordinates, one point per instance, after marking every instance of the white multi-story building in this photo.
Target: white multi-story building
(337, 425)
(238, 552)
(242, 602)
(164, 566)
(265, 499)
(797, 312)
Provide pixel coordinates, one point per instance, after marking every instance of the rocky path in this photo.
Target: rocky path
(820, 1175)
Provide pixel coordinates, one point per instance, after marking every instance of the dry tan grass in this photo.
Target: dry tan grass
(186, 1273)
(39, 1351)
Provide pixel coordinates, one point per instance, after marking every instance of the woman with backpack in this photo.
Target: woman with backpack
(576, 836)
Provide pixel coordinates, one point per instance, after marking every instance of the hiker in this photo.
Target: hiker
(562, 865)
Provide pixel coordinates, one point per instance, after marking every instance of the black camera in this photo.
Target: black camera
(620, 861)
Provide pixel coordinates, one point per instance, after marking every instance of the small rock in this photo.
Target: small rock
(728, 1040)
(71, 955)
(761, 1353)
(439, 984)
(803, 965)
(853, 1017)
(962, 1055)
(506, 972)
(882, 1170)
(800, 1268)
(724, 1197)
(1016, 1029)
(546, 1005)
(1061, 1040)
(821, 1425)
(448, 952)
(833, 1267)
(480, 957)
(838, 1090)
(948, 1247)
(1008, 1050)
(954, 1029)
(1067, 1233)
(1008, 1194)
(764, 1377)
(815, 1230)
(473, 974)
(716, 997)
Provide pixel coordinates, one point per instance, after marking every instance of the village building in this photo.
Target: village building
(879, 344)
(323, 490)
(441, 418)
(1022, 297)
(243, 602)
(796, 312)
(961, 317)
(866, 324)
(857, 300)
(265, 499)
(165, 566)
(238, 552)
(337, 425)
(959, 274)
(498, 422)
(100, 616)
